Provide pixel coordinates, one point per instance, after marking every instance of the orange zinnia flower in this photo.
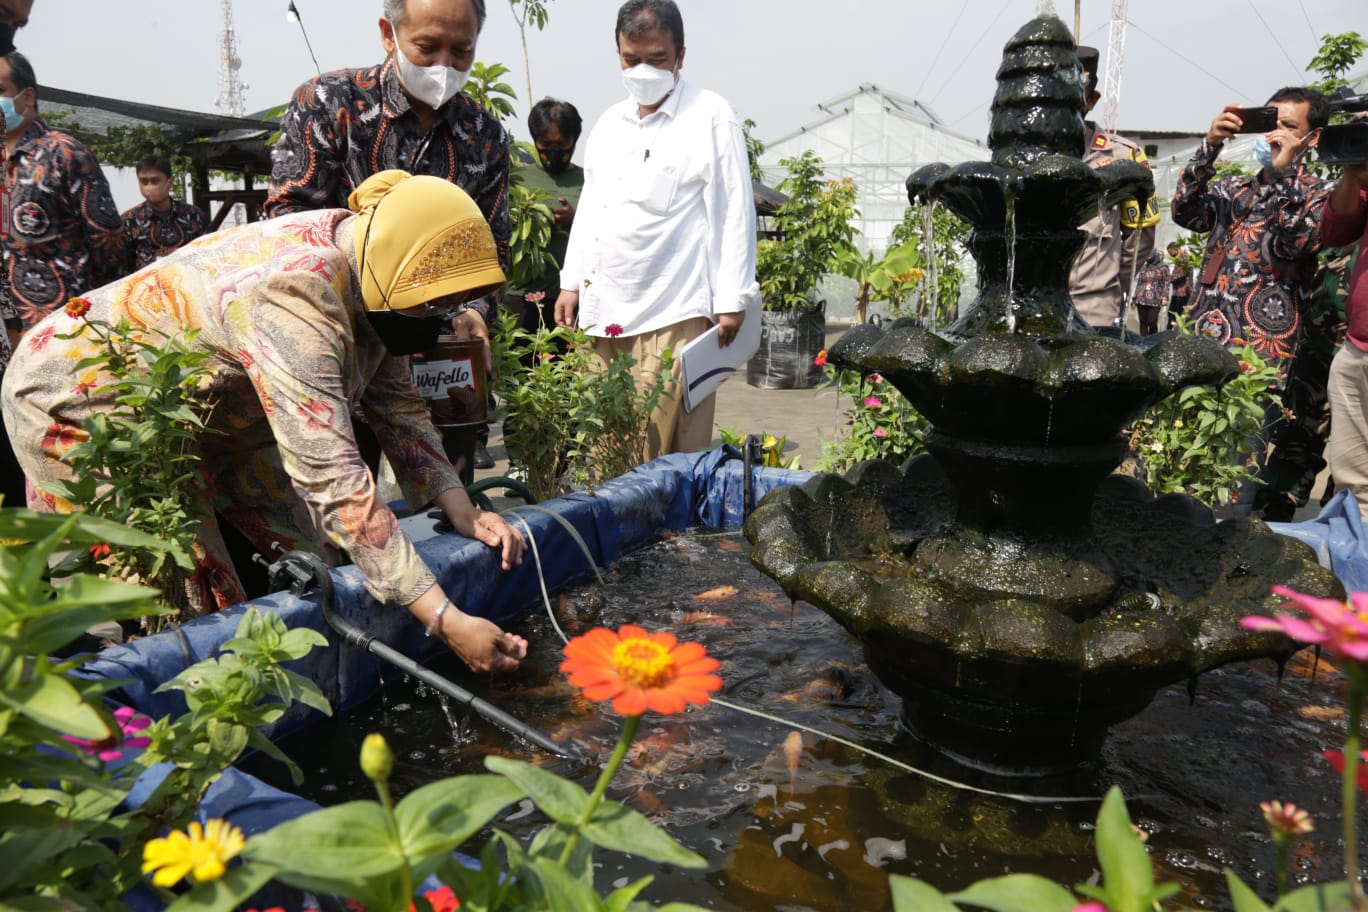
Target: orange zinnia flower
(640, 671)
(77, 307)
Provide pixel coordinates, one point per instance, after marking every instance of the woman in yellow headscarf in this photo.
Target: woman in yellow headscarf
(308, 316)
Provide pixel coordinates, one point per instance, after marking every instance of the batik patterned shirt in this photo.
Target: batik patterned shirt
(345, 125)
(64, 234)
(1255, 282)
(149, 233)
(277, 305)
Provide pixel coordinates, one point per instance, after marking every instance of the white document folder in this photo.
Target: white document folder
(704, 364)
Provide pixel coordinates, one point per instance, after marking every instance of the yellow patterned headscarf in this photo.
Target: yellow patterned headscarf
(419, 238)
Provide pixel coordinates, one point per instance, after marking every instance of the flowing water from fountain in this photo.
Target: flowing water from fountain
(720, 781)
(932, 316)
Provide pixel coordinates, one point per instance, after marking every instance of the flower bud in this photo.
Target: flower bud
(376, 759)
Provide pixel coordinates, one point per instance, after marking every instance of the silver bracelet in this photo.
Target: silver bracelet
(437, 617)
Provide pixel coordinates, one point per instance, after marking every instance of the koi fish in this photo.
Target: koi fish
(793, 752)
(715, 594)
(706, 618)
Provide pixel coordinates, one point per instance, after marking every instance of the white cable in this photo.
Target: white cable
(760, 714)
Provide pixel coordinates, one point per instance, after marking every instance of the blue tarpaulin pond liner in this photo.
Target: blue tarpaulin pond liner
(626, 513)
(669, 494)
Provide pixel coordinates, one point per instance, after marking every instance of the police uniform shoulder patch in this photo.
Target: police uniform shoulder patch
(1100, 141)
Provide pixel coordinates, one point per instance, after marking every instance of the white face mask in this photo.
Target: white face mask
(434, 86)
(648, 85)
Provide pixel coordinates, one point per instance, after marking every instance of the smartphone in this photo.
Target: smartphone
(1256, 120)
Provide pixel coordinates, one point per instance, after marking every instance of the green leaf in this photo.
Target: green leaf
(438, 817)
(914, 896)
(1241, 896)
(331, 849)
(621, 898)
(620, 829)
(228, 892)
(557, 798)
(1326, 897)
(1127, 875)
(1018, 893)
(51, 701)
(559, 891)
(21, 851)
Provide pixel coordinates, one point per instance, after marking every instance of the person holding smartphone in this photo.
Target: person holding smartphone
(1255, 282)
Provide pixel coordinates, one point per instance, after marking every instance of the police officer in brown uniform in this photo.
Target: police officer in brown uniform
(1102, 270)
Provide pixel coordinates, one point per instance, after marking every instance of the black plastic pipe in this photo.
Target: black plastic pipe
(300, 569)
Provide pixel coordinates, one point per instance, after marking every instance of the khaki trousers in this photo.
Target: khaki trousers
(1347, 450)
(672, 429)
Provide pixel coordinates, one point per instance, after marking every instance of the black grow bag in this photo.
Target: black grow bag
(788, 344)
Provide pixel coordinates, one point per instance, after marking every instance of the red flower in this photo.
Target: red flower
(612, 330)
(820, 360)
(1336, 759)
(100, 551)
(77, 307)
(442, 900)
(640, 671)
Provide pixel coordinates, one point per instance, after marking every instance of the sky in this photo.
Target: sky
(774, 60)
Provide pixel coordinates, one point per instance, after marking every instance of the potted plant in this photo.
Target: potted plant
(811, 232)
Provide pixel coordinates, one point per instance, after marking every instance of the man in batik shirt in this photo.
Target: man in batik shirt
(1254, 285)
(1255, 282)
(407, 113)
(160, 224)
(62, 230)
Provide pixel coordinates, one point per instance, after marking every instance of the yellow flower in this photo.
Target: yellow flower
(201, 853)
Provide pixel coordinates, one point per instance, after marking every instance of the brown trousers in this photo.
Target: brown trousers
(672, 429)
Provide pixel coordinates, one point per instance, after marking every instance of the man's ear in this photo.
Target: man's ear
(1314, 138)
(387, 35)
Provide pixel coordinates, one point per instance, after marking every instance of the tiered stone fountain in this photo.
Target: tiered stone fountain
(1015, 593)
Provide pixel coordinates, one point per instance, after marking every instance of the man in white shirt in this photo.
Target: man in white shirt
(663, 245)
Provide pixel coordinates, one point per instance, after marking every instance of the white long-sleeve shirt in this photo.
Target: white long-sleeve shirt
(665, 229)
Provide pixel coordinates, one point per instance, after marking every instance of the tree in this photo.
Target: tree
(525, 12)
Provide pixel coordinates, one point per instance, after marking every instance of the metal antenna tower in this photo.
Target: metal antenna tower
(1116, 60)
(231, 98)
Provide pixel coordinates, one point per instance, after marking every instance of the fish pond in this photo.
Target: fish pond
(792, 817)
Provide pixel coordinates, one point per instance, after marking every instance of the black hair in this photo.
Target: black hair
(636, 17)
(154, 163)
(1319, 113)
(550, 111)
(21, 71)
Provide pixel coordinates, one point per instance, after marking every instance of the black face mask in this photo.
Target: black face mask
(555, 161)
(403, 335)
(6, 38)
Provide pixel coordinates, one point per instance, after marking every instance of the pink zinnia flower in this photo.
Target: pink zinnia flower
(820, 360)
(873, 402)
(1091, 905)
(1286, 820)
(875, 377)
(612, 330)
(111, 748)
(534, 297)
(1340, 627)
(881, 432)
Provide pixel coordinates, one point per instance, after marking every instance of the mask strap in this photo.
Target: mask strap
(364, 261)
